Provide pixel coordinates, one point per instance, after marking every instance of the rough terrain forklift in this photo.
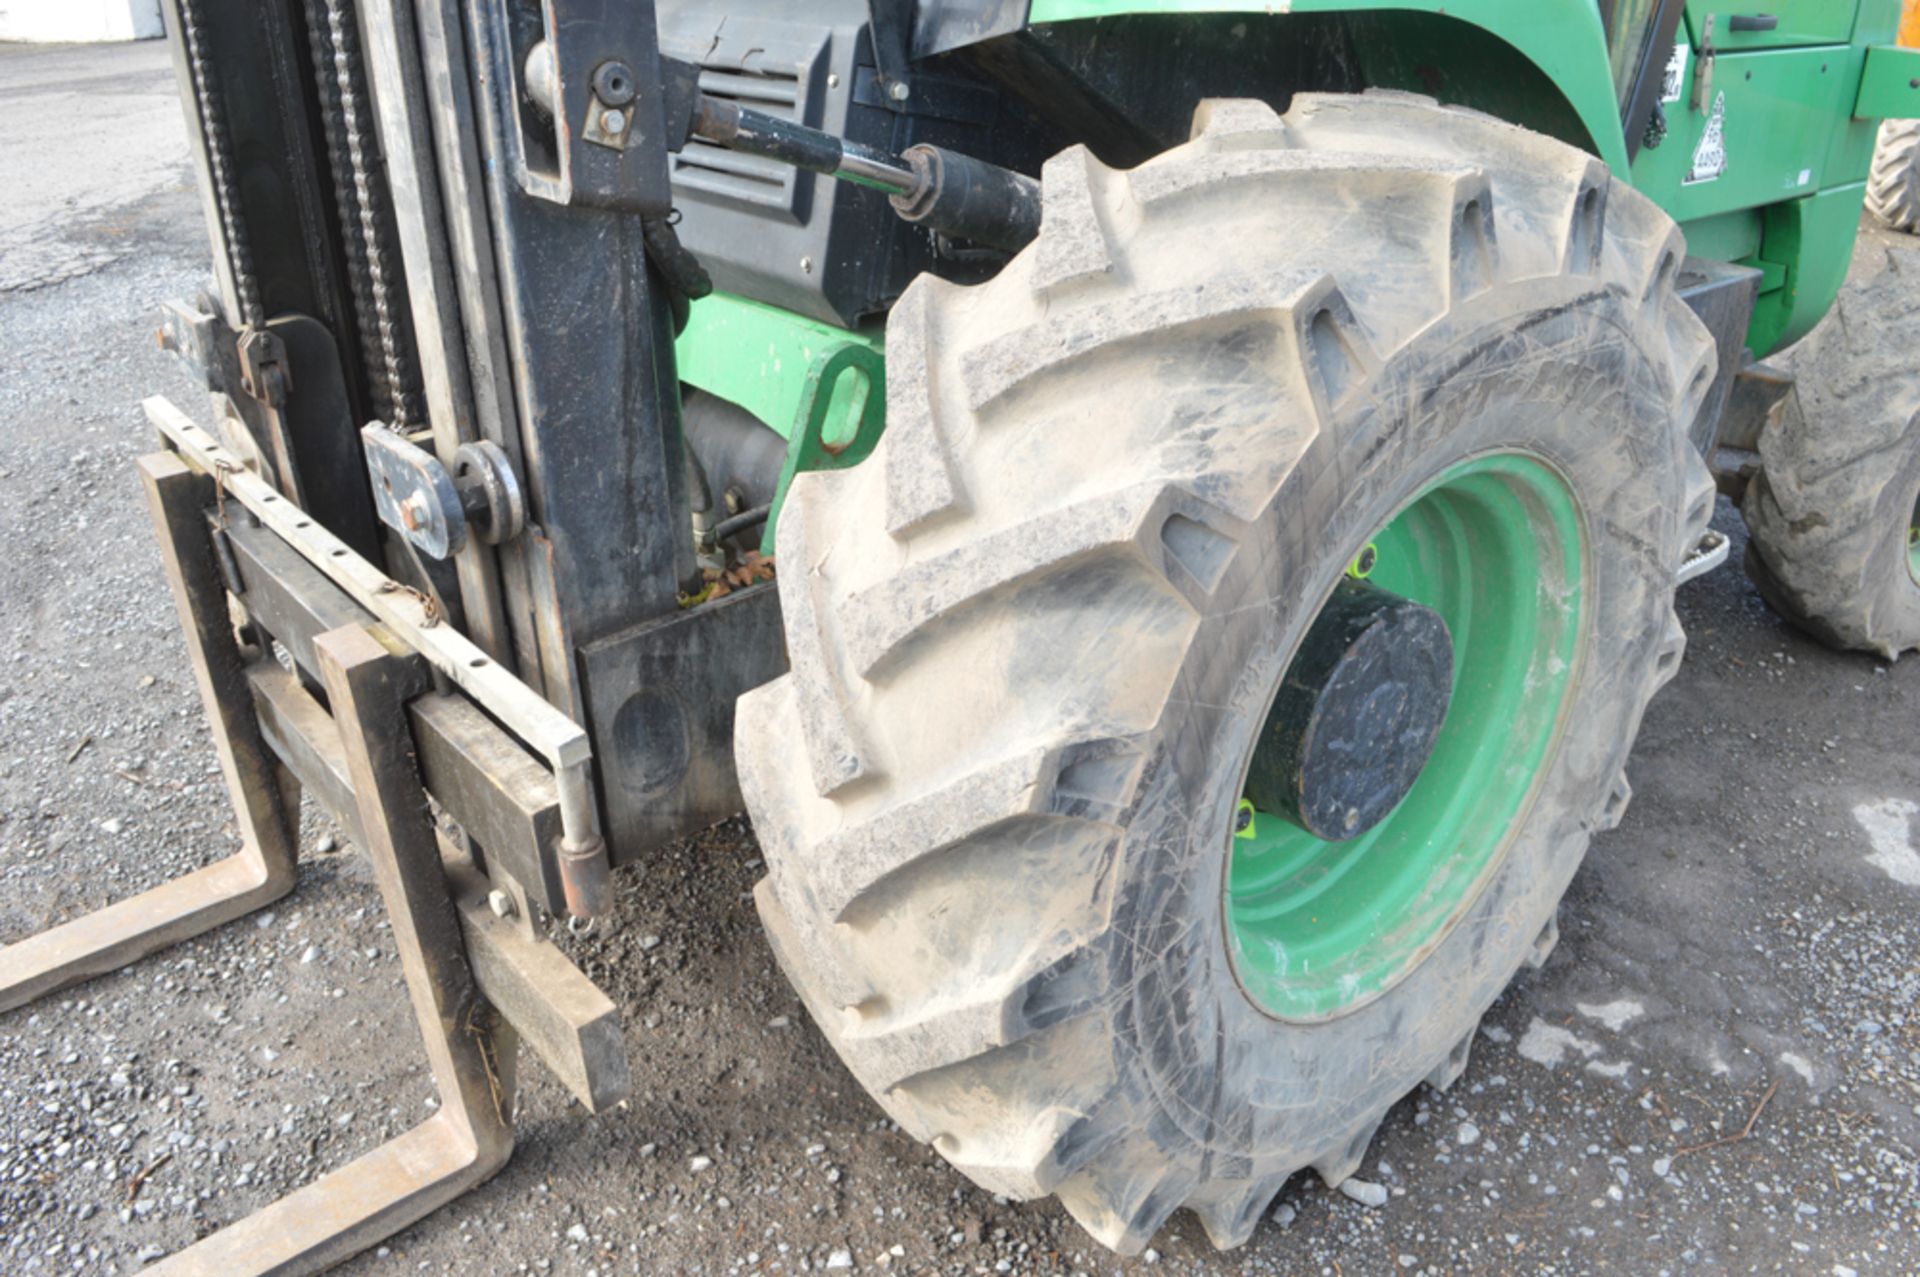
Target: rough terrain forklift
(1165, 512)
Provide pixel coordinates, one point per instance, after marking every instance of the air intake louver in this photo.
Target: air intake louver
(747, 178)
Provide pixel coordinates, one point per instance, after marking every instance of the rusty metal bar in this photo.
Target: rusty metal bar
(493, 786)
(470, 1050)
(550, 732)
(562, 742)
(266, 801)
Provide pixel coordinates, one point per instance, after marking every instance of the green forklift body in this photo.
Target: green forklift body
(1766, 136)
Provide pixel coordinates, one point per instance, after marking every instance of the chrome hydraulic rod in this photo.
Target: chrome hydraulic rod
(945, 191)
(739, 128)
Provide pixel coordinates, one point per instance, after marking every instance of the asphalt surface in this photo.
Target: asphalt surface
(1717, 1071)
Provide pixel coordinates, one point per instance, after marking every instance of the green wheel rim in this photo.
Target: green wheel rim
(1913, 542)
(1318, 928)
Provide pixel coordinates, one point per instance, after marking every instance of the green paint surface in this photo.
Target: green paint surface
(1913, 544)
(1889, 84)
(1796, 22)
(760, 356)
(1316, 928)
(1724, 237)
(1770, 115)
(1786, 203)
(1810, 242)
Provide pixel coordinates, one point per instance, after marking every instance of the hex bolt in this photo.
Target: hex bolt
(613, 121)
(898, 91)
(501, 903)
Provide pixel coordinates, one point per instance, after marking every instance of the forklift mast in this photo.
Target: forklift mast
(402, 236)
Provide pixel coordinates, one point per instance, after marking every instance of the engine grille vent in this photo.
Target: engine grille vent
(747, 178)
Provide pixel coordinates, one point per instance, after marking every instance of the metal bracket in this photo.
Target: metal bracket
(197, 335)
(1709, 554)
(417, 497)
(546, 729)
(591, 101)
(1703, 69)
(890, 28)
(263, 366)
(413, 493)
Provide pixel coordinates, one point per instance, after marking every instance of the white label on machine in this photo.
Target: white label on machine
(1676, 74)
(1710, 154)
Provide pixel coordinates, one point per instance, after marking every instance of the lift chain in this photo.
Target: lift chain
(340, 74)
(213, 125)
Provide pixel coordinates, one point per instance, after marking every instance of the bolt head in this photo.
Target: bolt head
(898, 91)
(413, 512)
(501, 903)
(613, 82)
(613, 121)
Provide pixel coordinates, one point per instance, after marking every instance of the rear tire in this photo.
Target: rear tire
(1893, 185)
(1034, 635)
(1833, 512)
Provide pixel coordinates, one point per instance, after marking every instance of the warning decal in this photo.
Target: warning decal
(1710, 154)
(1676, 74)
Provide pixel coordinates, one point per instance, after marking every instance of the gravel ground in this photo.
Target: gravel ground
(1717, 1071)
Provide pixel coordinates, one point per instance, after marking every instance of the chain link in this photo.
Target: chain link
(213, 126)
(341, 76)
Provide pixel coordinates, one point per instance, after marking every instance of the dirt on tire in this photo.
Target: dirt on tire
(1033, 634)
(1832, 509)
(1893, 184)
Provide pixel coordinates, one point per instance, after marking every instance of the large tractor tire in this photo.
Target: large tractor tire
(1834, 513)
(1893, 186)
(1037, 636)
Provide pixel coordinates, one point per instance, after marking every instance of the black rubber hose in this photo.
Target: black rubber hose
(741, 522)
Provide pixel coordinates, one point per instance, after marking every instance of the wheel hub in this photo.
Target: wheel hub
(1422, 706)
(1357, 714)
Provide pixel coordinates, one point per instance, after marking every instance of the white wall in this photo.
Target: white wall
(79, 19)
